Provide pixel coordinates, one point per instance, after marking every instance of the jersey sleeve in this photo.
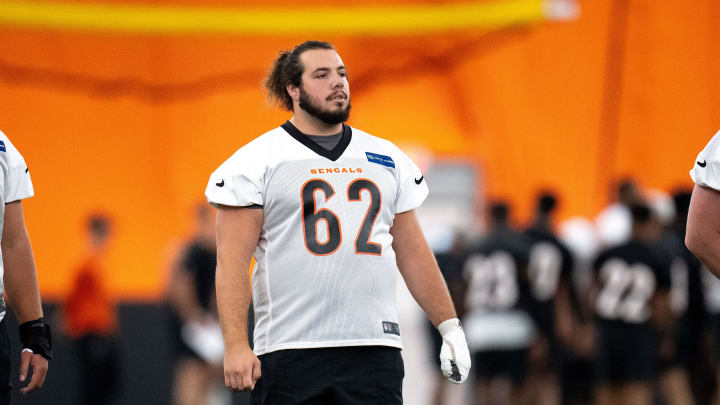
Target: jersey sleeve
(599, 261)
(17, 184)
(238, 181)
(413, 188)
(568, 263)
(663, 270)
(189, 259)
(706, 171)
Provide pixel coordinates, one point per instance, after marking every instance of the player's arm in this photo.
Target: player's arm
(419, 269)
(422, 276)
(703, 227)
(664, 322)
(662, 316)
(563, 312)
(21, 287)
(238, 230)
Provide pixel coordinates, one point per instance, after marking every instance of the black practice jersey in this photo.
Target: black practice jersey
(495, 273)
(200, 263)
(550, 266)
(628, 277)
(450, 265)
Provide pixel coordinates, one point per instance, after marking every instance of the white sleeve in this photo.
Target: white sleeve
(239, 180)
(17, 184)
(706, 170)
(413, 188)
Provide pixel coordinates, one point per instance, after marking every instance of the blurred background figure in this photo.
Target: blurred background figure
(631, 300)
(692, 328)
(577, 373)
(549, 273)
(90, 318)
(614, 222)
(450, 263)
(194, 319)
(711, 289)
(674, 359)
(496, 302)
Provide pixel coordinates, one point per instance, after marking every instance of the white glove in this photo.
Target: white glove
(454, 354)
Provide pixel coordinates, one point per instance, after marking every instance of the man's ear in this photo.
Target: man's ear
(294, 92)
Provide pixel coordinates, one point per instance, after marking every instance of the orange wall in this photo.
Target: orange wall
(135, 124)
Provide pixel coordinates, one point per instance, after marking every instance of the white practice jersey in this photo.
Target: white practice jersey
(706, 171)
(325, 273)
(16, 185)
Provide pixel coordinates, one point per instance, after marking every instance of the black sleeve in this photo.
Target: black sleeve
(521, 251)
(454, 269)
(189, 259)
(663, 273)
(568, 263)
(599, 261)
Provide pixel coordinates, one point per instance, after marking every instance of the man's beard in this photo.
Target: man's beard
(326, 116)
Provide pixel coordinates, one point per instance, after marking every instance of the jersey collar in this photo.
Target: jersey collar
(332, 154)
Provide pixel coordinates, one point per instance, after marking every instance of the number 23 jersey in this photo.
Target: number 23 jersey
(325, 272)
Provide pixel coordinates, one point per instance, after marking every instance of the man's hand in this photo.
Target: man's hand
(454, 354)
(242, 369)
(39, 370)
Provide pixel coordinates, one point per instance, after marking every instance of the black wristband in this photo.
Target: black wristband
(35, 335)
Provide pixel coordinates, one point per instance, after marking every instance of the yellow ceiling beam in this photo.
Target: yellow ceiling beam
(271, 20)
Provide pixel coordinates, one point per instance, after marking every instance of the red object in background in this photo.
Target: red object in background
(89, 308)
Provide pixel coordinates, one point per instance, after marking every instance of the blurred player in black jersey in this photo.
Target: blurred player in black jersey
(450, 263)
(633, 317)
(673, 373)
(549, 274)
(711, 287)
(191, 296)
(499, 329)
(692, 321)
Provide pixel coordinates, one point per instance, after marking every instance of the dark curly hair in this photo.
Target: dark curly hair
(287, 69)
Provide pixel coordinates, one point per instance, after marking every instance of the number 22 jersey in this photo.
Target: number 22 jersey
(325, 272)
(629, 277)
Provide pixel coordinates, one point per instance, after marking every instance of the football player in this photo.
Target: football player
(193, 313)
(633, 318)
(450, 263)
(689, 303)
(327, 210)
(549, 273)
(20, 277)
(673, 372)
(497, 297)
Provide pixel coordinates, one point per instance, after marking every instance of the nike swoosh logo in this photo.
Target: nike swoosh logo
(418, 181)
(222, 183)
(702, 164)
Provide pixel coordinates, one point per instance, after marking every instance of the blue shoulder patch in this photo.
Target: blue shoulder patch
(2, 146)
(380, 159)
